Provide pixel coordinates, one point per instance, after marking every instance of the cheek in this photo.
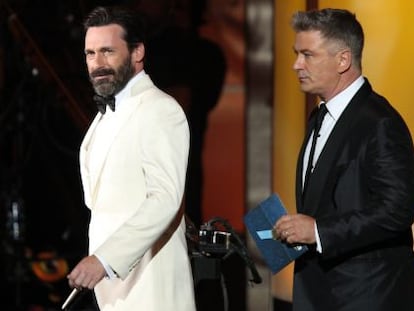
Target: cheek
(324, 72)
(114, 62)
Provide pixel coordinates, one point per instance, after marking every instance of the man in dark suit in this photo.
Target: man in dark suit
(356, 204)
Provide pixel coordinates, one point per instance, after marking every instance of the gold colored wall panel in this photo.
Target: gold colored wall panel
(288, 126)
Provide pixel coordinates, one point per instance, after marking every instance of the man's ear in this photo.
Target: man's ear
(138, 53)
(344, 60)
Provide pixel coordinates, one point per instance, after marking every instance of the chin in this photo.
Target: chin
(104, 89)
(307, 88)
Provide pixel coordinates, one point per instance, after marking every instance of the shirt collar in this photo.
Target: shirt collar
(127, 89)
(338, 103)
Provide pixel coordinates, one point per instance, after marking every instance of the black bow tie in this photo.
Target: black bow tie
(102, 101)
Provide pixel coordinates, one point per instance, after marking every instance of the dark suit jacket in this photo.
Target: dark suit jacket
(361, 194)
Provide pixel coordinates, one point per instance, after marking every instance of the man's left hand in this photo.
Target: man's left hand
(296, 228)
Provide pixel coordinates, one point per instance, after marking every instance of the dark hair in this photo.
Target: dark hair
(132, 22)
(334, 24)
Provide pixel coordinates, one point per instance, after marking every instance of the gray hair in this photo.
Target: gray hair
(334, 25)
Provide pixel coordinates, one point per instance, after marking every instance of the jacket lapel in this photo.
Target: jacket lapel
(319, 179)
(129, 104)
(299, 166)
(83, 154)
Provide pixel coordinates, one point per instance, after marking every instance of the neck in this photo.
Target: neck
(346, 79)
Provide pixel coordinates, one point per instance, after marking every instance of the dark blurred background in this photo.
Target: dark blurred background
(45, 107)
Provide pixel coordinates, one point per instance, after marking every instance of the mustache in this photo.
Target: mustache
(102, 72)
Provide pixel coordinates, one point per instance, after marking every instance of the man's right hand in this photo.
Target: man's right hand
(87, 273)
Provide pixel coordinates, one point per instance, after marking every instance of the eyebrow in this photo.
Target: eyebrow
(301, 50)
(101, 49)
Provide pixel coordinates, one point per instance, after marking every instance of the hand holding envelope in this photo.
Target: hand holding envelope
(259, 222)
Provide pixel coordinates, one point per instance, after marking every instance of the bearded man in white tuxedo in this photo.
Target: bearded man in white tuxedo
(133, 163)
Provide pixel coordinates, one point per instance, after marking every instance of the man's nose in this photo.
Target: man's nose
(298, 63)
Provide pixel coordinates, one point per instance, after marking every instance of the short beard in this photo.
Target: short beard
(121, 76)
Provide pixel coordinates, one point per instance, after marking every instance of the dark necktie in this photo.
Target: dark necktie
(317, 126)
(103, 101)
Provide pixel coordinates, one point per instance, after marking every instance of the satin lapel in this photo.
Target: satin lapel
(299, 165)
(333, 147)
(121, 117)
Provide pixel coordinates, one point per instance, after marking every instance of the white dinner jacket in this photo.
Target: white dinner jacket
(134, 191)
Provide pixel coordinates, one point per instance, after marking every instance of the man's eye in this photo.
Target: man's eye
(108, 52)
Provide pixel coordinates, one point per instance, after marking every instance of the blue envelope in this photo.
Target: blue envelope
(259, 222)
